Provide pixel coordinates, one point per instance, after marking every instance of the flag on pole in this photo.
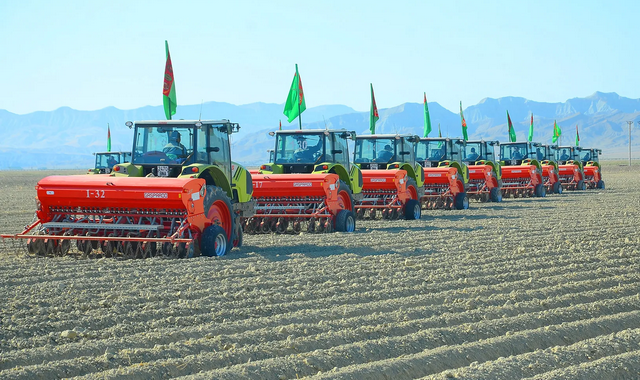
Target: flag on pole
(108, 138)
(169, 88)
(531, 128)
(556, 132)
(373, 114)
(577, 136)
(295, 104)
(427, 119)
(464, 124)
(512, 131)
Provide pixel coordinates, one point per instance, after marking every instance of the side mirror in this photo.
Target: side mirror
(129, 124)
(272, 133)
(213, 149)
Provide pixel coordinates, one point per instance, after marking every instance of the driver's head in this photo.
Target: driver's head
(174, 136)
(387, 148)
(473, 150)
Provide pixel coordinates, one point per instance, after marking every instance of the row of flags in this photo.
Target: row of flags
(295, 105)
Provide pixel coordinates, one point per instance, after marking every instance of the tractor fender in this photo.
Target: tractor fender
(242, 183)
(342, 173)
(212, 174)
(411, 173)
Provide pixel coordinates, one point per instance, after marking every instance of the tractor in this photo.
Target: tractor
(289, 190)
(180, 196)
(485, 172)
(521, 169)
(570, 168)
(550, 173)
(105, 161)
(393, 182)
(590, 158)
(446, 175)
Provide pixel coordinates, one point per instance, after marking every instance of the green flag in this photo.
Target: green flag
(531, 128)
(556, 132)
(169, 88)
(427, 119)
(464, 124)
(295, 104)
(108, 138)
(373, 114)
(512, 132)
(577, 136)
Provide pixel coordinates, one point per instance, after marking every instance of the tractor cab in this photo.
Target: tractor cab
(431, 152)
(384, 151)
(105, 161)
(567, 153)
(589, 155)
(479, 152)
(516, 153)
(549, 153)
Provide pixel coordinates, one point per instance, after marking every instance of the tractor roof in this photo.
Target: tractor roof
(309, 131)
(491, 142)
(181, 122)
(387, 136)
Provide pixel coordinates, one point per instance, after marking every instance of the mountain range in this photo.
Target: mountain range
(66, 138)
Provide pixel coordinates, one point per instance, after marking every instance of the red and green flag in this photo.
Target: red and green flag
(169, 88)
(373, 114)
(427, 119)
(464, 124)
(556, 132)
(512, 131)
(577, 136)
(531, 128)
(108, 138)
(295, 104)
(280, 125)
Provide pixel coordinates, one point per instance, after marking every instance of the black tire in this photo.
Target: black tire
(412, 183)
(461, 201)
(412, 210)
(214, 241)
(557, 188)
(345, 221)
(580, 185)
(541, 191)
(495, 194)
(216, 194)
(600, 184)
(342, 186)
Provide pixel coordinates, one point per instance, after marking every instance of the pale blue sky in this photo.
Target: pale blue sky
(92, 54)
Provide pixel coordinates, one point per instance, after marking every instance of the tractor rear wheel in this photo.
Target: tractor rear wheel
(412, 188)
(495, 194)
(345, 196)
(218, 210)
(214, 241)
(412, 210)
(345, 221)
(461, 201)
(600, 184)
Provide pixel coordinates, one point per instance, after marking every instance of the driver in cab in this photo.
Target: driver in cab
(306, 152)
(174, 149)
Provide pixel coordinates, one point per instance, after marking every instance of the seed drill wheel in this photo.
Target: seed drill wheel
(345, 221)
(600, 184)
(214, 241)
(540, 191)
(345, 197)
(495, 194)
(217, 208)
(556, 188)
(412, 210)
(461, 201)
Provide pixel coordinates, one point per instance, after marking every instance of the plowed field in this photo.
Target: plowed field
(528, 288)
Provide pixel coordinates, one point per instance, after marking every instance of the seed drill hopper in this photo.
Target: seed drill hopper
(521, 170)
(485, 172)
(570, 168)
(392, 180)
(178, 197)
(550, 173)
(309, 184)
(105, 161)
(590, 158)
(446, 177)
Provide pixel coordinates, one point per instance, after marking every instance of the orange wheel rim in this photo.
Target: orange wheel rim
(219, 214)
(344, 200)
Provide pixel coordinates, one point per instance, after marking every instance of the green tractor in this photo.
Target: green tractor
(196, 149)
(105, 161)
(315, 151)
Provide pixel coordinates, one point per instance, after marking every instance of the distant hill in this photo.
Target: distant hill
(66, 138)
